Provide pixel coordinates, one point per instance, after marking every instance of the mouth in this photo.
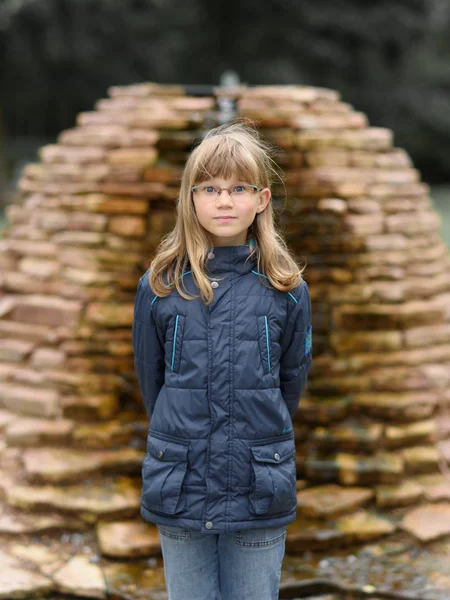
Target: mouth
(224, 218)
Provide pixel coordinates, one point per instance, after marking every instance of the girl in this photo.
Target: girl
(222, 343)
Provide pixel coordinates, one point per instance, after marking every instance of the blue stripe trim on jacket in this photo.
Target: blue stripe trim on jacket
(174, 342)
(267, 342)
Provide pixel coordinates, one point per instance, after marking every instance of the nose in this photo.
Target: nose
(224, 198)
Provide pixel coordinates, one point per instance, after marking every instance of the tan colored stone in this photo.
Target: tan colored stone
(428, 522)
(407, 492)
(58, 465)
(102, 435)
(330, 500)
(47, 358)
(420, 459)
(317, 410)
(128, 226)
(57, 153)
(75, 238)
(35, 432)
(16, 582)
(81, 577)
(141, 157)
(396, 406)
(46, 310)
(366, 341)
(410, 433)
(355, 469)
(37, 524)
(361, 526)
(427, 336)
(368, 139)
(6, 418)
(376, 316)
(15, 350)
(436, 486)
(115, 205)
(29, 401)
(349, 435)
(128, 539)
(111, 314)
(117, 500)
(27, 332)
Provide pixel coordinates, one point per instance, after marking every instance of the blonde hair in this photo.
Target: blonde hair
(232, 150)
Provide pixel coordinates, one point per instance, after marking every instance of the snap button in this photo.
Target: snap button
(211, 255)
(209, 525)
(160, 454)
(276, 456)
(214, 284)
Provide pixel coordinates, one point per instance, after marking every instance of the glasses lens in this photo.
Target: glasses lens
(207, 191)
(242, 190)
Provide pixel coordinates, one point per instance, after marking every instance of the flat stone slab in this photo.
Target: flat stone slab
(34, 432)
(103, 435)
(58, 465)
(420, 459)
(428, 522)
(32, 524)
(136, 581)
(358, 527)
(6, 418)
(410, 433)
(436, 486)
(349, 436)
(390, 496)
(355, 469)
(17, 582)
(109, 500)
(125, 539)
(81, 577)
(326, 501)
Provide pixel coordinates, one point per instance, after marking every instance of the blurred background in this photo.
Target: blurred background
(388, 58)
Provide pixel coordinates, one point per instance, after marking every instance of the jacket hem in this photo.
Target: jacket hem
(196, 524)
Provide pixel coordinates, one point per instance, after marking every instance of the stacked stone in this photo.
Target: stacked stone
(379, 277)
(89, 218)
(83, 230)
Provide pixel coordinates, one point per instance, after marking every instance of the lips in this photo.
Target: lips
(224, 218)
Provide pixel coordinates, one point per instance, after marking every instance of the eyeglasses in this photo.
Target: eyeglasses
(210, 192)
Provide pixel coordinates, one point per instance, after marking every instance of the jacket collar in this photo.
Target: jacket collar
(230, 259)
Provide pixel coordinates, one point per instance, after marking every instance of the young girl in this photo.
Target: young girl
(222, 343)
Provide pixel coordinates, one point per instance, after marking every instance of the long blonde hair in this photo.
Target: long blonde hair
(232, 150)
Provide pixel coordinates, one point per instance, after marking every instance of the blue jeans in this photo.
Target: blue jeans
(243, 565)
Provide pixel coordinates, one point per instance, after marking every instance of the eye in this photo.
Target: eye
(209, 189)
(239, 189)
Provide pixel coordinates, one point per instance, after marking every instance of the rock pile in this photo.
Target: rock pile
(89, 216)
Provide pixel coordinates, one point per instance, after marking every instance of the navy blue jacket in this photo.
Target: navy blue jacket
(221, 384)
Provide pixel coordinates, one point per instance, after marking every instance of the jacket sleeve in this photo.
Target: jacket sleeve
(296, 348)
(148, 345)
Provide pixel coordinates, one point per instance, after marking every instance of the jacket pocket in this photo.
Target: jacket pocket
(265, 343)
(177, 342)
(163, 472)
(273, 478)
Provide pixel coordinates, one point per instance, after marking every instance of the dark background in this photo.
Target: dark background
(389, 58)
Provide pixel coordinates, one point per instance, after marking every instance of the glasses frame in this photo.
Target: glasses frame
(229, 190)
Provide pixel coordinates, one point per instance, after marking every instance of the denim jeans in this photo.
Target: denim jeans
(243, 565)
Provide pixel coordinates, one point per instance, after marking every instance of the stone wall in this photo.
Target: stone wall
(90, 215)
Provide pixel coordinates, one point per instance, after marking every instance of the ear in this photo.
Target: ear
(264, 199)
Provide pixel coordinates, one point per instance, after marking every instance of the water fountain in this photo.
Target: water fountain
(372, 430)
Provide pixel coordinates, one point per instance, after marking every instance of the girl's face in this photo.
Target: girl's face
(228, 218)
